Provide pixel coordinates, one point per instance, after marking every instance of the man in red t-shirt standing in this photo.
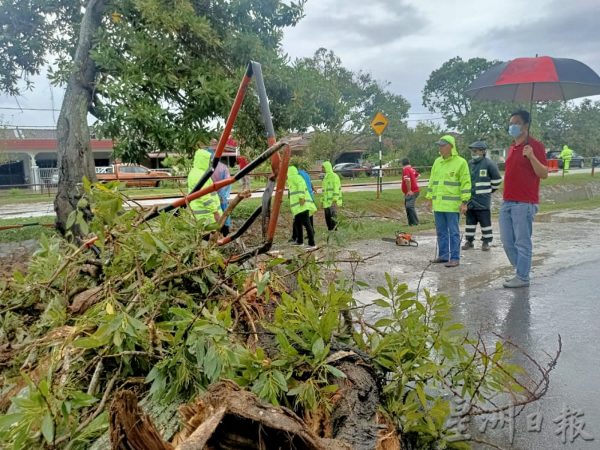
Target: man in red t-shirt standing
(525, 166)
(410, 188)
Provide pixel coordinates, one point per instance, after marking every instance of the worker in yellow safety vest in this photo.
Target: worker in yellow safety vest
(302, 207)
(207, 208)
(332, 195)
(566, 155)
(449, 192)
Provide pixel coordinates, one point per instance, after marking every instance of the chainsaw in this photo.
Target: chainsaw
(403, 239)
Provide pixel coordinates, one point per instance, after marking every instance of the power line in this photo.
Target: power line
(8, 125)
(57, 109)
(28, 109)
(425, 120)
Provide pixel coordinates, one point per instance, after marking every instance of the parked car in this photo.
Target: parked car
(131, 175)
(348, 170)
(576, 160)
(387, 165)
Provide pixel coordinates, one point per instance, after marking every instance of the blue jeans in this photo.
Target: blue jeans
(516, 228)
(448, 235)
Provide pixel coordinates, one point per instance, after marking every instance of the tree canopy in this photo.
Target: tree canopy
(164, 69)
(555, 123)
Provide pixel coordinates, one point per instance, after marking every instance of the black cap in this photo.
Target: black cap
(478, 145)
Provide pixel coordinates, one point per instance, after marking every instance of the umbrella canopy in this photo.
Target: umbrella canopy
(535, 79)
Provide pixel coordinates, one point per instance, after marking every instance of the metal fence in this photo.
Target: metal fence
(48, 176)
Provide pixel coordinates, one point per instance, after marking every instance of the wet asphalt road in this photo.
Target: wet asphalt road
(564, 298)
(566, 303)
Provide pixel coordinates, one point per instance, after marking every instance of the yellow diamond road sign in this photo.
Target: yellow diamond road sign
(379, 123)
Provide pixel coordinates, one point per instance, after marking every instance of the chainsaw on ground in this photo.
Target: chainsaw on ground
(403, 239)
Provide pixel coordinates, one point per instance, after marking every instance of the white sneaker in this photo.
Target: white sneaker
(311, 248)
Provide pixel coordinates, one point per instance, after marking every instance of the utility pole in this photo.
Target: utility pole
(379, 123)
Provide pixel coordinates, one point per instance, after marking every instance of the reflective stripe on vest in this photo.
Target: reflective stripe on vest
(451, 183)
(457, 199)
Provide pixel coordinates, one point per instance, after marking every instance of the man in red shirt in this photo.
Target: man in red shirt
(410, 188)
(525, 166)
(243, 162)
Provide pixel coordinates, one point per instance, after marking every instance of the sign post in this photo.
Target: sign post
(379, 123)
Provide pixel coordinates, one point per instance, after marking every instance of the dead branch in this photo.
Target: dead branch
(131, 428)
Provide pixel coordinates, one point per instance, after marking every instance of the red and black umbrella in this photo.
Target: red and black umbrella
(535, 79)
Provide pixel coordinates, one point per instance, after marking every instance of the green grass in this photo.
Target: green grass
(576, 179)
(363, 216)
(27, 232)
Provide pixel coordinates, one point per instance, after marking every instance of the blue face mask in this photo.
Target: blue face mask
(514, 130)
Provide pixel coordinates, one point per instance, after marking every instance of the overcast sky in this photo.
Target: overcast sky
(403, 41)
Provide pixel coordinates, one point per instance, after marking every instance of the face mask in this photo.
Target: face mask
(514, 130)
(476, 157)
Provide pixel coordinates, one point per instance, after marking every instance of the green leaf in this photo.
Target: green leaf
(88, 342)
(318, 348)
(71, 220)
(83, 225)
(383, 323)
(383, 291)
(160, 244)
(455, 327)
(8, 420)
(43, 388)
(280, 380)
(335, 371)
(382, 303)
(421, 395)
(47, 428)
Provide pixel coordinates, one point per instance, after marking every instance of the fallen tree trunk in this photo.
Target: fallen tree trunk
(354, 418)
(226, 417)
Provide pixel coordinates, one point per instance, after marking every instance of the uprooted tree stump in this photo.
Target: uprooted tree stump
(227, 417)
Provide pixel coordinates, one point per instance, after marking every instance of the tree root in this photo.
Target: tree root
(225, 418)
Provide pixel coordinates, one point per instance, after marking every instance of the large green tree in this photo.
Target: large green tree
(583, 131)
(154, 72)
(342, 104)
(444, 93)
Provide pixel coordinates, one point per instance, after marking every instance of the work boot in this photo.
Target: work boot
(485, 246)
(516, 282)
(452, 263)
(467, 245)
(439, 261)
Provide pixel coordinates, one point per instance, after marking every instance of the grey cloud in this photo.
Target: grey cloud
(407, 71)
(356, 23)
(568, 30)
